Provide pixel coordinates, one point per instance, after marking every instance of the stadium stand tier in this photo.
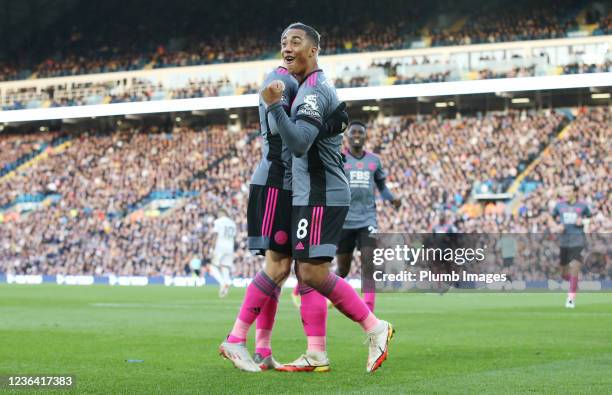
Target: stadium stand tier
(141, 201)
(102, 41)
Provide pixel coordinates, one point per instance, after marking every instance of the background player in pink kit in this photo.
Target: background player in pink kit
(321, 197)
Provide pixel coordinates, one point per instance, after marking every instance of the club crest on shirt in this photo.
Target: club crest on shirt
(310, 108)
(311, 101)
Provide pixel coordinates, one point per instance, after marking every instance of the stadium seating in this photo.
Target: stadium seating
(13, 148)
(106, 43)
(580, 157)
(523, 20)
(401, 72)
(141, 201)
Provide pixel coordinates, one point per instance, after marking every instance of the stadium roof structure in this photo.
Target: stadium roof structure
(22, 19)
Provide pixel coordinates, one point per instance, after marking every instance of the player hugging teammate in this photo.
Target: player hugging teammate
(302, 131)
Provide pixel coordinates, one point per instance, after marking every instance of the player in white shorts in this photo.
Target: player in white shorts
(222, 263)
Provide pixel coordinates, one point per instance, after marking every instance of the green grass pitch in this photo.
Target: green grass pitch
(455, 343)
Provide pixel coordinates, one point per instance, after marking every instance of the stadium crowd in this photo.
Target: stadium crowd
(110, 172)
(14, 147)
(8, 72)
(582, 158)
(117, 48)
(581, 68)
(441, 159)
(75, 65)
(100, 224)
(523, 20)
(485, 74)
(99, 178)
(146, 90)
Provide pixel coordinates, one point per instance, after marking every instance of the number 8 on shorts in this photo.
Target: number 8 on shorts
(302, 229)
(316, 230)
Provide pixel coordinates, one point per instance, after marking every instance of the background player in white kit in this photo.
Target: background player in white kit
(222, 262)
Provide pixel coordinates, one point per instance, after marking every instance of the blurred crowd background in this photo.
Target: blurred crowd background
(96, 189)
(84, 38)
(140, 200)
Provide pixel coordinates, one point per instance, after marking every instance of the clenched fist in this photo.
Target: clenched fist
(273, 92)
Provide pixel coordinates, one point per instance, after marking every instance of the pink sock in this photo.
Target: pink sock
(258, 292)
(370, 300)
(263, 338)
(313, 310)
(573, 280)
(369, 323)
(347, 301)
(239, 332)
(296, 290)
(264, 325)
(316, 343)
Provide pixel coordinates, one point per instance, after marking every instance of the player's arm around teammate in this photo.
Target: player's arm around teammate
(320, 191)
